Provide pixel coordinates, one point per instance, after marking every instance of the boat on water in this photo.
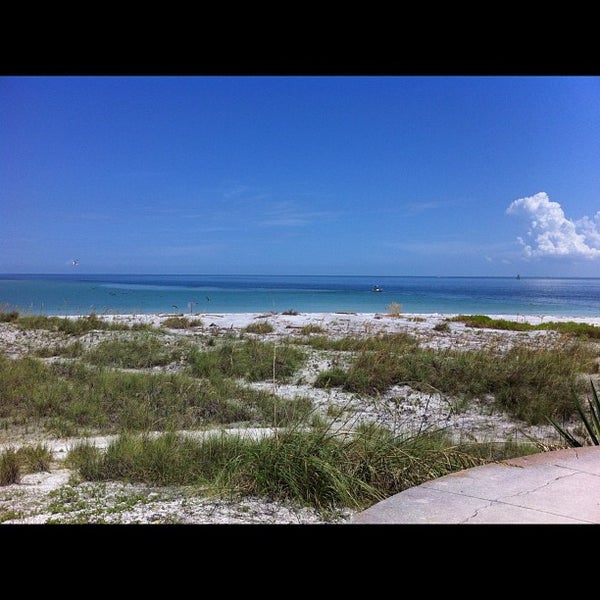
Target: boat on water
(377, 288)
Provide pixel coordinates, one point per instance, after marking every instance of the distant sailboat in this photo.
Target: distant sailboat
(518, 276)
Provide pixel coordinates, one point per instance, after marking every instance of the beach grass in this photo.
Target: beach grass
(148, 386)
(76, 326)
(581, 330)
(316, 468)
(250, 359)
(75, 397)
(260, 327)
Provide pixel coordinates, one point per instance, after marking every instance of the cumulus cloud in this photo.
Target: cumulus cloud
(552, 233)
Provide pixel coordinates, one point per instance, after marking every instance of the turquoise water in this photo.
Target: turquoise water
(124, 294)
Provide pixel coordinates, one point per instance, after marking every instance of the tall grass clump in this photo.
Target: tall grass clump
(141, 352)
(316, 468)
(260, 327)
(180, 323)
(35, 458)
(529, 383)
(167, 459)
(253, 360)
(10, 467)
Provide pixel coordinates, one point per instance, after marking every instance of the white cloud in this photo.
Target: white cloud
(552, 233)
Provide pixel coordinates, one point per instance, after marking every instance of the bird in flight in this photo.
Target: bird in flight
(75, 261)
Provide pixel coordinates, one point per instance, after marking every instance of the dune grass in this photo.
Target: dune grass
(207, 386)
(530, 383)
(259, 327)
(250, 359)
(10, 467)
(580, 330)
(181, 322)
(28, 459)
(76, 326)
(74, 397)
(142, 351)
(317, 467)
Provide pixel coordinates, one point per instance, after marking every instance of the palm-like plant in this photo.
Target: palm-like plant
(591, 422)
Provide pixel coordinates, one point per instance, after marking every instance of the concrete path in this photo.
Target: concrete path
(562, 486)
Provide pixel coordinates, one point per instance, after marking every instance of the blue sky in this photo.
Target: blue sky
(391, 175)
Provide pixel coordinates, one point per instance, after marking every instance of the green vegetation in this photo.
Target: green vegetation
(530, 383)
(316, 468)
(202, 382)
(139, 352)
(388, 342)
(77, 326)
(580, 330)
(33, 459)
(90, 502)
(10, 467)
(74, 397)
(252, 360)
(259, 327)
(311, 328)
(590, 421)
(181, 322)
(73, 350)
(27, 459)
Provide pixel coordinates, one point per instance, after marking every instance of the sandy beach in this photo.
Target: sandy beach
(31, 497)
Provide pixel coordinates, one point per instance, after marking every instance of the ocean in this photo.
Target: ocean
(80, 294)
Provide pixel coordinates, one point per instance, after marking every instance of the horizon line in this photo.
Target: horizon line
(162, 274)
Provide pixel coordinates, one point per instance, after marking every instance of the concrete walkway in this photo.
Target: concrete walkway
(562, 486)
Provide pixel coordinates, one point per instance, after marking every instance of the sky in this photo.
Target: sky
(301, 175)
